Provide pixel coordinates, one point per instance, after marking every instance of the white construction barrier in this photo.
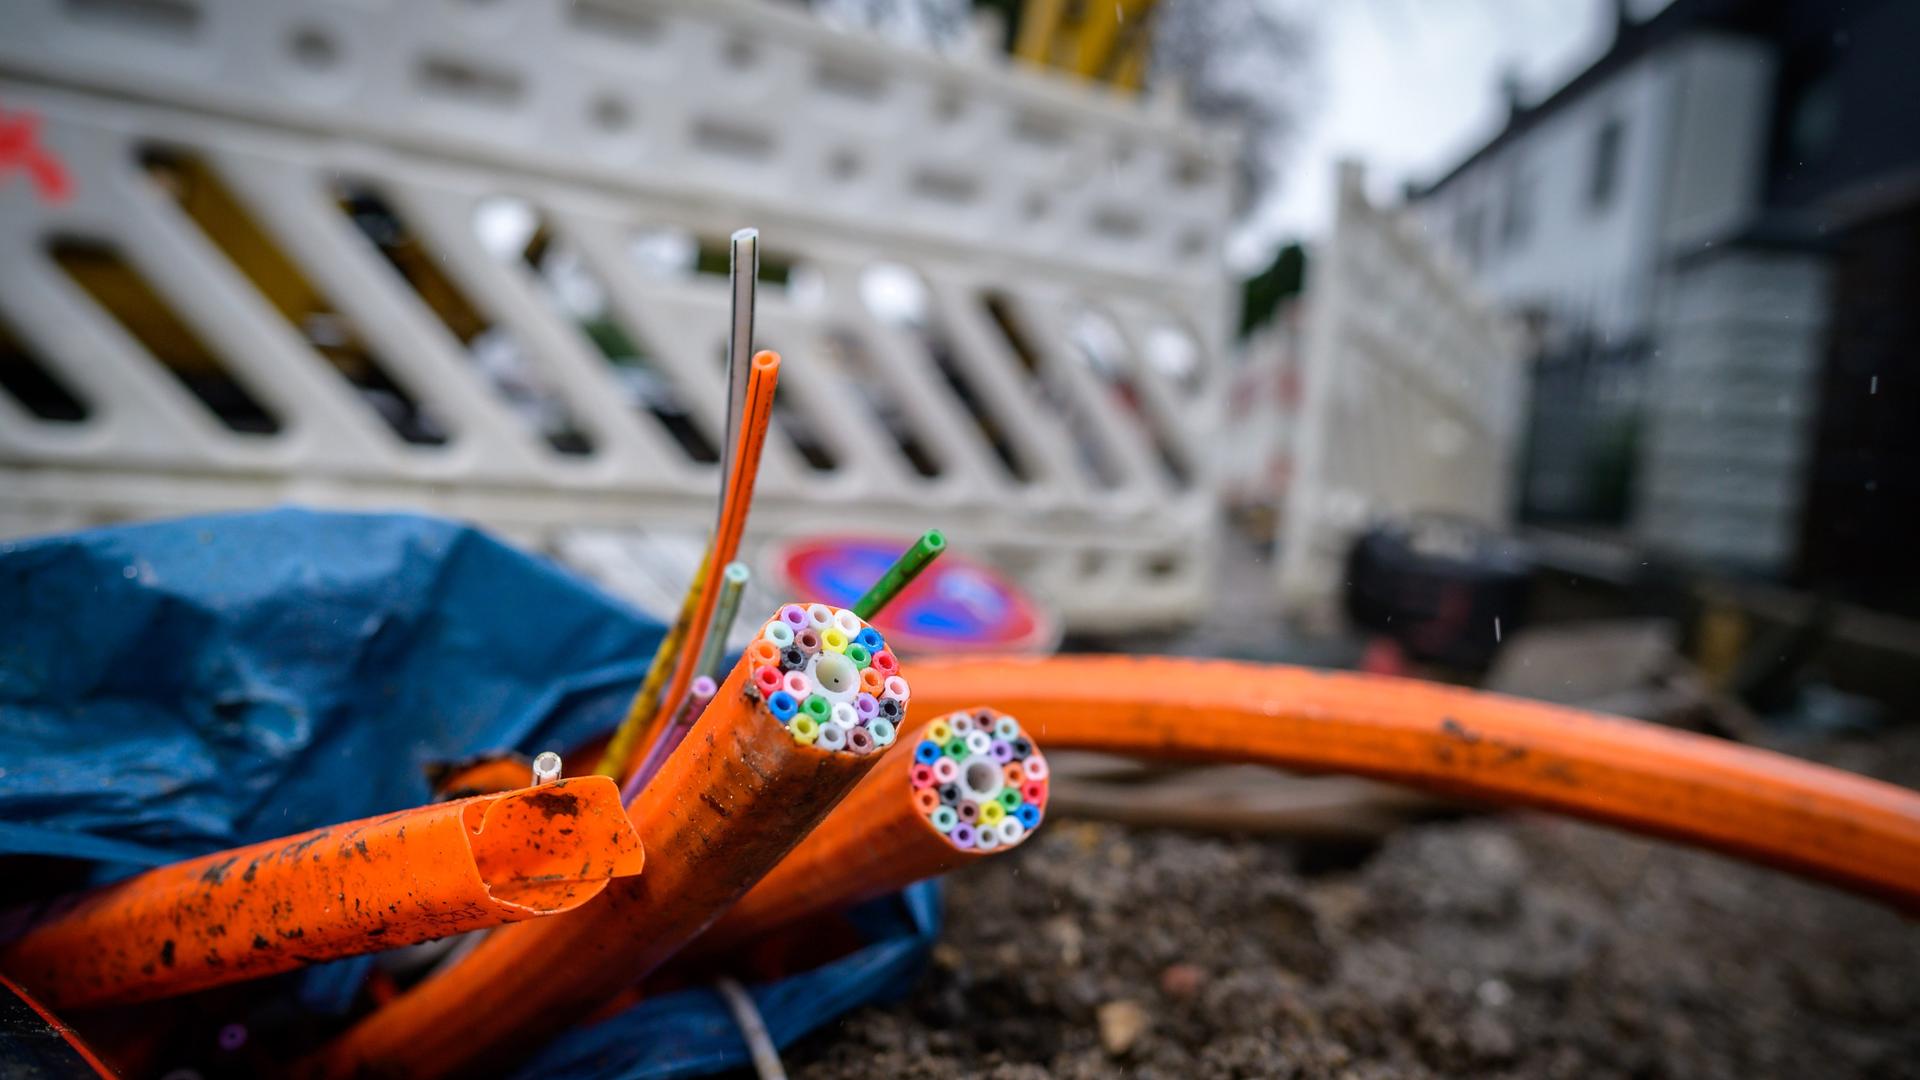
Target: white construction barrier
(459, 257)
(1263, 406)
(1411, 397)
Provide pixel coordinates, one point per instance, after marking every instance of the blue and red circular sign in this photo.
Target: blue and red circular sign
(954, 605)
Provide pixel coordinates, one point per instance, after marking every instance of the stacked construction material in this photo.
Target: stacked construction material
(829, 677)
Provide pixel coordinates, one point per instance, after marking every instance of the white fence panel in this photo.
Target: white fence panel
(493, 213)
(1411, 394)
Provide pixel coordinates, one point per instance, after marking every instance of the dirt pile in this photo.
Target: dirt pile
(1509, 946)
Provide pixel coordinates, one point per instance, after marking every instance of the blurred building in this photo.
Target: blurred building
(1715, 230)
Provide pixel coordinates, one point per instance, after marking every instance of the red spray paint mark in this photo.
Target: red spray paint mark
(20, 149)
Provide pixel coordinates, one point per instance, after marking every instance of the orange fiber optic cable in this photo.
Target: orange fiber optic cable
(380, 883)
(1821, 822)
(753, 777)
(33, 1039)
(972, 785)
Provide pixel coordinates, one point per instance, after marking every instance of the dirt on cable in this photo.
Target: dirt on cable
(1514, 945)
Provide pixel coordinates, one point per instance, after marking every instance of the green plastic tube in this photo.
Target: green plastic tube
(733, 582)
(900, 574)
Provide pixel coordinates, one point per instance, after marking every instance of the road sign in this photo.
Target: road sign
(955, 605)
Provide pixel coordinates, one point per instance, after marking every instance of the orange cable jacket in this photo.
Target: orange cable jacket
(875, 842)
(1822, 822)
(726, 806)
(67, 1034)
(360, 887)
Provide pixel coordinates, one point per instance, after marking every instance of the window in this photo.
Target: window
(1466, 235)
(1516, 216)
(1813, 121)
(1606, 165)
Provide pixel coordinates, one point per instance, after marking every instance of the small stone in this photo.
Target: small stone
(1488, 1040)
(1182, 980)
(1494, 993)
(1121, 1025)
(1067, 936)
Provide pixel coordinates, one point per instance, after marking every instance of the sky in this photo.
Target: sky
(1409, 87)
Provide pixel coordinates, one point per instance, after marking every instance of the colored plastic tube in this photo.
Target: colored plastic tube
(670, 739)
(880, 840)
(645, 706)
(1816, 821)
(722, 811)
(743, 470)
(733, 584)
(34, 1042)
(901, 574)
(360, 887)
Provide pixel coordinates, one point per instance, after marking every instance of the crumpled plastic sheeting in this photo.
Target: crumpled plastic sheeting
(691, 1033)
(173, 688)
(177, 687)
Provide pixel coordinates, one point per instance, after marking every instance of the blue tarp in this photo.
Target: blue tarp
(173, 688)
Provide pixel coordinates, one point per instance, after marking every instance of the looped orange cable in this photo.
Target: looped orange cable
(1824, 823)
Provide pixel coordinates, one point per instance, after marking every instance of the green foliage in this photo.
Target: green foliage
(1262, 294)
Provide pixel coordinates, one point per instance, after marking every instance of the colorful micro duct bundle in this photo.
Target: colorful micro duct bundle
(979, 780)
(829, 677)
(900, 825)
(729, 805)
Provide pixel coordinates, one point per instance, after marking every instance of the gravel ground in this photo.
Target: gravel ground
(1494, 946)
